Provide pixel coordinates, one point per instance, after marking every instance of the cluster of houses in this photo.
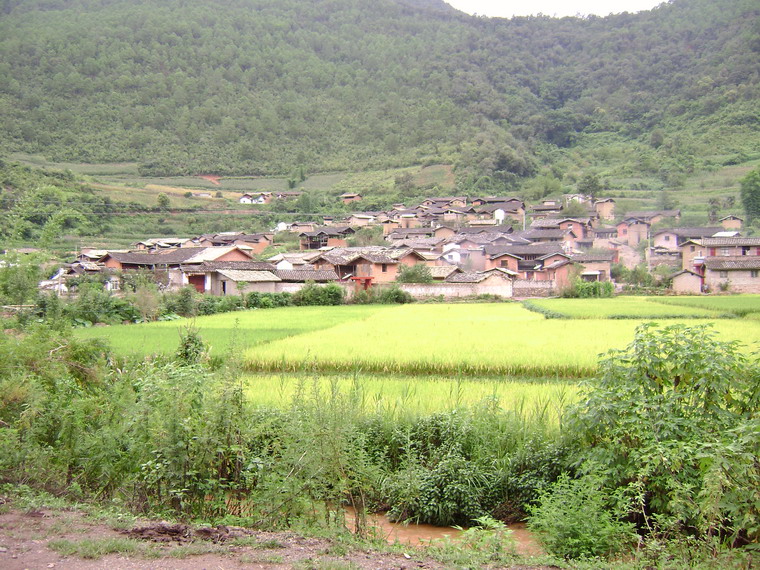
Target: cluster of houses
(491, 245)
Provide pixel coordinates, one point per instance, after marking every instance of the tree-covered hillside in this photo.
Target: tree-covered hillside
(267, 86)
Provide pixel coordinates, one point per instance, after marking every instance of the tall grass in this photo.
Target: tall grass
(409, 396)
(240, 329)
(620, 308)
(471, 340)
(739, 305)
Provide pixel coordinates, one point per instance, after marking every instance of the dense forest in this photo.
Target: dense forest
(266, 86)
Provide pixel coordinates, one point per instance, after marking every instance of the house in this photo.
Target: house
(686, 281)
(290, 261)
(605, 209)
(739, 274)
(360, 220)
(595, 266)
(731, 246)
(550, 235)
(446, 202)
(246, 199)
(171, 262)
(442, 272)
(491, 282)
(633, 231)
(325, 236)
(255, 243)
(732, 222)
(367, 266)
(349, 197)
(673, 238)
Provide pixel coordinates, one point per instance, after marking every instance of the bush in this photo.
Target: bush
(589, 289)
(393, 294)
(668, 420)
(576, 518)
(313, 294)
(418, 273)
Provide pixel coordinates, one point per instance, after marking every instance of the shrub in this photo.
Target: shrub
(313, 294)
(667, 420)
(576, 518)
(418, 273)
(393, 294)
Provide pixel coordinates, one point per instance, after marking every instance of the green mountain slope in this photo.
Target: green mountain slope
(266, 86)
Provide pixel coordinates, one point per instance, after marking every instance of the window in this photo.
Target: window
(725, 251)
(723, 274)
(384, 267)
(504, 263)
(667, 238)
(692, 248)
(753, 273)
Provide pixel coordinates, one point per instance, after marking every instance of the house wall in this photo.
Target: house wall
(667, 240)
(511, 263)
(687, 283)
(234, 255)
(731, 224)
(605, 210)
(738, 281)
(522, 288)
(578, 229)
(637, 233)
(492, 286)
(603, 267)
(690, 251)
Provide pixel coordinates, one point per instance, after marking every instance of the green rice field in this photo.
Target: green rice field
(455, 340)
(739, 305)
(403, 396)
(239, 330)
(626, 308)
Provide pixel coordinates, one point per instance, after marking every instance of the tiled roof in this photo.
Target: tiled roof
(733, 241)
(648, 214)
(592, 257)
(239, 275)
(328, 230)
(522, 250)
(536, 233)
(239, 265)
(503, 230)
(375, 254)
(699, 232)
(732, 263)
(443, 271)
(302, 275)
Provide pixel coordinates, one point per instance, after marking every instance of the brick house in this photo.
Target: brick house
(739, 274)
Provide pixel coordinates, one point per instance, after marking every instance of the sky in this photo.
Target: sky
(509, 8)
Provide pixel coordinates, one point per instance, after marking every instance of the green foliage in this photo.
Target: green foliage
(191, 346)
(320, 97)
(313, 294)
(18, 279)
(662, 424)
(418, 273)
(750, 194)
(589, 289)
(577, 518)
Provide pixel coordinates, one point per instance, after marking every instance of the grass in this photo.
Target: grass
(472, 340)
(455, 340)
(622, 308)
(94, 548)
(739, 305)
(242, 329)
(391, 396)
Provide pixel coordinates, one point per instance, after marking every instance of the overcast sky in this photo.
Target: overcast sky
(509, 8)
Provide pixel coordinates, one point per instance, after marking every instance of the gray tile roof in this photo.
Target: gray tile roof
(303, 275)
(728, 242)
(732, 263)
(239, 275)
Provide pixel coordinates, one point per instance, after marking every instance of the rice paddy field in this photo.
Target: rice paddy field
(397, 397)
(445, 340)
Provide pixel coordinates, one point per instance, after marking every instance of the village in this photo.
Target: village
(486, 246)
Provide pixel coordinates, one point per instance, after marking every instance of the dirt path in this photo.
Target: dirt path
(47, 538)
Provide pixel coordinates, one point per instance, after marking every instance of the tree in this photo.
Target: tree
(750, 194)
(163, 201)
(590, 184)
(418, 273)
(671, 423)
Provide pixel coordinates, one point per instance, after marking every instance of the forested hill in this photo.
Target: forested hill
(264, 86)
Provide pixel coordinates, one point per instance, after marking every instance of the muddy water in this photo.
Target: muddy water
(423, 534)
